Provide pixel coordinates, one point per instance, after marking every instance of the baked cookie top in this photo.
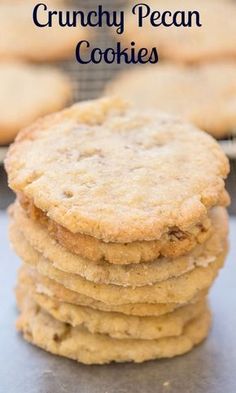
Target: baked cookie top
(28, 92)
(215, 39)
(104, 169)
(24, 40)
(204, 94)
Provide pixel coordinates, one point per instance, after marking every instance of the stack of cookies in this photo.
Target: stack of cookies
(121, 225)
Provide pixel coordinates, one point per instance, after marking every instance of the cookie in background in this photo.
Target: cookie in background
(28, 92)
(215, 39)
(202, 94)
(24, 40)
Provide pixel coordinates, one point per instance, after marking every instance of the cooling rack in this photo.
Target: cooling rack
(90, 80)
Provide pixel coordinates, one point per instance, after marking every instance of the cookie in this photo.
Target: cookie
(172, 244)
(214, 40)
(43, 285)
(205, 94)
(172, 171)
(39, 328)
(24, 40)
(175, 290)
(28, 92)
(128, 275)
(116, 325)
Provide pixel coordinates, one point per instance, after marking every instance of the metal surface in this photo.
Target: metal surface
(231, 187)
(6, 195)
(210, 368)
(3, 151)
(229, 147)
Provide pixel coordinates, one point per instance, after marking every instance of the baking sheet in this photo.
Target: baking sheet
(3, 151)
(210, 368)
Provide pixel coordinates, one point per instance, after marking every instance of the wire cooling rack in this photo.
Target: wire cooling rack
(90, 80)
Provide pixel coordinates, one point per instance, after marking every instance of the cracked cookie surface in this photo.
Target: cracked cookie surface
(108, 171)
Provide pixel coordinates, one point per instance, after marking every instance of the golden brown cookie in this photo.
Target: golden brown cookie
(43, 285)
(116, 173)
(24, 40)
(172, 244)
(28, 92)
(128, 275)
(205, 94)
(174, 290)
(39, 328)
(115, 325)
(215, 39)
